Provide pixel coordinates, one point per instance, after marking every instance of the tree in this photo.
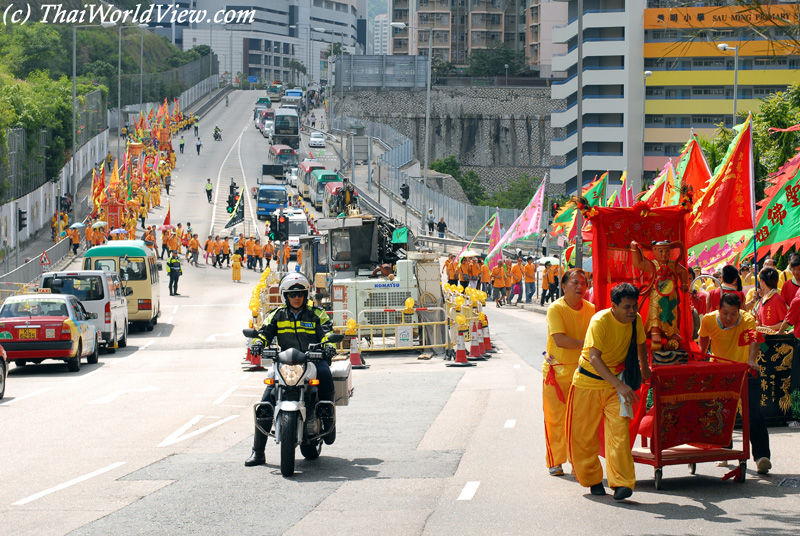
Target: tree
(334, 49)
(440, 69)
(470, 182)
(492, 61)
(450, 165)
(517, 194)
(295, 67)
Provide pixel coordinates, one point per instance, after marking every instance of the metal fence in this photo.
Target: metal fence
(31, 270)
(383, 72)
(90, 110)
(401, 148)
(155, 86)
(21, 172)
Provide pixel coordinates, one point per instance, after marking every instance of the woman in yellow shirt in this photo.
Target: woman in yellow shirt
(236, 271)
(567, 321)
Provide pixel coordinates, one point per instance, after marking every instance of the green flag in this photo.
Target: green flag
(400, 236)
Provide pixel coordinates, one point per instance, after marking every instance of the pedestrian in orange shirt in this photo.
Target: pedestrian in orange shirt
(498, 284)
(299, 256)
(486, 276)
(269, 251)
(516, 287)
(529, 271)
(249, 251)
(226, 253)
(193, 250)
(209, 248)
(258, 256)
(450, 269)
(217, 262)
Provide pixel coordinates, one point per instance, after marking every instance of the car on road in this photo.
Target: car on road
(267, 128)
(35, 327)
(292, 176)
(316, 139)
(100, 292)
(3, 372)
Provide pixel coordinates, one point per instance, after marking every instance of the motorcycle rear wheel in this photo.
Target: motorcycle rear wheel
(288, 438)
(311, 451)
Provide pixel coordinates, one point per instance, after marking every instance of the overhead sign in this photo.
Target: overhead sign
(44, 259)
(252, 79)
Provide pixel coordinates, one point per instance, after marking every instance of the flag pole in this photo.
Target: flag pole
(753, 199)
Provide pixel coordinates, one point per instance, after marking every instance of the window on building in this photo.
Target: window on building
(286, 49)
(267, 60)
(254, 59)
(276, 47)
(254, 44)
(708, 91)
(267, 45)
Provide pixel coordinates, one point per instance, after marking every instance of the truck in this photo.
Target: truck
(269, 198)
(369, 269)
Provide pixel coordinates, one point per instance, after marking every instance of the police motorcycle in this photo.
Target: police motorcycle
(217, 134)
(300, 418)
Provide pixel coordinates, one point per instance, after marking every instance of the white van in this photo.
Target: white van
(100, 292)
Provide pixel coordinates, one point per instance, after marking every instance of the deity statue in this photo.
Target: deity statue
(667, 278)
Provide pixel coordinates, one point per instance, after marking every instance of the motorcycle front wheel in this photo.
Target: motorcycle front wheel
(288, 438)
(311, 451)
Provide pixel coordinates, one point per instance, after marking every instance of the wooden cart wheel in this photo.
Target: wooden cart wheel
(742, 472)
(692, 468)
(658, 475)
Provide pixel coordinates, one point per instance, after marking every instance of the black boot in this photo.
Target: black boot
(257, 456)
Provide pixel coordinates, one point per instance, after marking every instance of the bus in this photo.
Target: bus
(319, 178)
(274, 91)
(282, 155)
(304, 177)
(138, 267)
(287, 128)
(293, 97)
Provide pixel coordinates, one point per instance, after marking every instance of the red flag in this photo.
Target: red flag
(693, 168)
(724, 207)
(167, 217)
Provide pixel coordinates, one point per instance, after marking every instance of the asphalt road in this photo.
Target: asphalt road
(152, 439)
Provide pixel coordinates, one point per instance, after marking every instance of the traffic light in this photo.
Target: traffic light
(554, 209)
(22, 219)
(404, 192)
(273, 227)
(282, 228)
(232, 200)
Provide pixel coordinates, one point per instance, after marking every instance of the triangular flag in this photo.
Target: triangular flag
(167, 217)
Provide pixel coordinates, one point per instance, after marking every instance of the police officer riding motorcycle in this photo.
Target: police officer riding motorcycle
(297, 325)
(217, 134)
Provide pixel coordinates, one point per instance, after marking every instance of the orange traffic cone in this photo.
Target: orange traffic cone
(475, 353)
(461, 353)
(487, 340)
(355, 355)
(481, 346)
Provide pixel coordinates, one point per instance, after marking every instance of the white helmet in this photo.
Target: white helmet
(294, 282)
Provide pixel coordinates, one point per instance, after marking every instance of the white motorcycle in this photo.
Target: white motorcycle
(299, 416)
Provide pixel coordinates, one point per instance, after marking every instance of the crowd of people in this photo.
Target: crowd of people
(586, 349)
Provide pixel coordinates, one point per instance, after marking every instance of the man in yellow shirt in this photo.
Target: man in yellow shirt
(597, 392)
(529, 271)
(193, 250)
(731, 334)
(567, 321)
(498, 284)
(258, 256)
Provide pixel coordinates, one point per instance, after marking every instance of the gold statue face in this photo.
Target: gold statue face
(661, 253)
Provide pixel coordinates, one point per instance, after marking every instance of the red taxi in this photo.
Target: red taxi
(35, 327)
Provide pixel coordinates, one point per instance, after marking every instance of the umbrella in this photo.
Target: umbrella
(551, 260)
(470, 253)
(99, 224)
(63, 233)
(119, 231)
(166, 227)
(588, 264)
(77, 225)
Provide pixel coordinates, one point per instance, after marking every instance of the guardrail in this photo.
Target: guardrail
(416, 334)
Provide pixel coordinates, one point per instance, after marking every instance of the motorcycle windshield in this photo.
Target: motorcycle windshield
(292, 356)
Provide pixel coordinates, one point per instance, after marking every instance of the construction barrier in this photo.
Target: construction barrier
(410, 334)
(465, 319)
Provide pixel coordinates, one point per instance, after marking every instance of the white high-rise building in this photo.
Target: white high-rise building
(613, 92)
(380, 35)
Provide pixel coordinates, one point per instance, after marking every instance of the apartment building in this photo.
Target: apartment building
(457, 27)
(541, 17)
(381, 32)
(692, 80)
(613, 92)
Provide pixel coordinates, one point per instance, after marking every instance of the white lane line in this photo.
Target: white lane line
(177, 436)
(65, 485)
(469, 491)
(213, 337)
(245, 375)
(510, 423)
(225, 395)
(516, 366)
(232, 406)
(219, 179)
(520, 388)
(120, 360)
(170, 319)
(113, 396)
(84, 376)
(249, 396)
(23, 397)
(146, 346)
(175, 310)
(253, 215)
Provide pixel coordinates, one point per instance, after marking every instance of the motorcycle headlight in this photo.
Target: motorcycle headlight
(291, 374)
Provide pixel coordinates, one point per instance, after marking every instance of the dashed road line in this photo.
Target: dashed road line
(23, 397)
(469, 491)
(510, 423)
(66, 485)
(225, 395)
(520, 388)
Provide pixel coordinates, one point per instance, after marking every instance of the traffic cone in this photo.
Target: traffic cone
(481, 345)
(355, 355)
(487, 340)
(461, 353)
(475, 353)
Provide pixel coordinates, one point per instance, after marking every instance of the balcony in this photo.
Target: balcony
(562, 34)
(562, 62)
(562, 118)
(478, 24)
(562, 146)
(600, 77)
(564, 88)
(603, 133)
(561, 174)
(400, 4)
(612, 46)
(602, 18)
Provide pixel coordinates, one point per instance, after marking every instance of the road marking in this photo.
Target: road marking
(248, 396)
(246, 375)
(253, 215)
(170, 319)
(146, 346)
(520, 388)
(225, 395)
(65, 485)
(177, 436)
(175, 310)
(232, 406)
(469, 491)
(213, 337)
(219, 177)
(516, 366)
(84, 376)
(510, 423)
(23, 397)
(113, 396)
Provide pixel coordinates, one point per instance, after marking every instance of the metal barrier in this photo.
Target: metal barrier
(414, 335)
(469, 307)
(32, 270)
(12, 289)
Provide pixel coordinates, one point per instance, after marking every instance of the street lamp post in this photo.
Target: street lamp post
(645, 76)
(506, 66)
(427, 96)
(142, 27)
(724, 47)
(74, 96)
